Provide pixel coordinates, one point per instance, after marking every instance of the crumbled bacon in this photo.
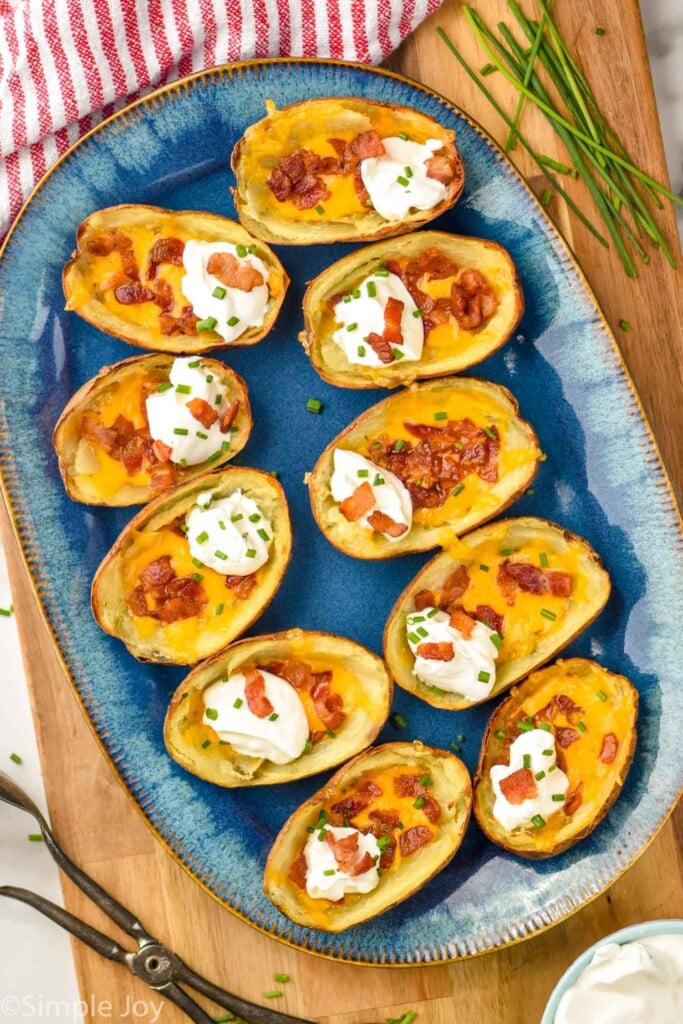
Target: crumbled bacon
(610, 746)
(103, 245)
(241, 586)
(162, 451)
(383, 523)
(132, 447)
(165, 250)
(385, 820)
(298, 871)
(297, 673)
(565, 736)
(352, 805)
(574, 800)
(436, 651)
(233, 273)
(407, 785)
(229, 416)
(560, 703)
(185, 324)
(413, 838)
(255, 693)
(162, 477)
(204, 413)
(461, 621)
(387, 855)
(367, 144)
(358, 504)
(506, 584)
(484, 613)
(393, 311)
(298, 177)
(532, 580)
(380, 346)
(424, 599)
(163, 294)
(347, 854)
(328, 706)
(173, 597)
(132, 294)
(454, 587)
(519, 786)
(472, 300)
(440, 168)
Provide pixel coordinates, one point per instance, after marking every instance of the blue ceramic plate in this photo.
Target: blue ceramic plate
(603, 479)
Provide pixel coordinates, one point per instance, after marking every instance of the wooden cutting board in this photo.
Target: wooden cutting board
(97, 822)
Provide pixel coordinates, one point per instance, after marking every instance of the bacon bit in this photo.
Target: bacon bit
(574, 800)
(413, 838)
(103, 245)
(610, 746)
(241, 586)
(393, 311)
(174, 597)
(297, 673)
(383, 523)
(436, 652)
(368, 786)
(519, 786)
(345, 852)
(454, 587)
(328, 706)
(565, 737)
(350, 806)
(358, 504)
(255, 692)
(385, 819)
(132, 294)
(185, 324)
(132, 448)
(472, 300)
(431, 808)
(94, 431)
(113, 280)
(339, 146)
(229, 415)
(424, 599)
(367, 144)
(560, 703)
(440, 168)
(527, 577)
(279, 184)
(200, 409)
(463, 622)
(137, 602)
(380, 346)
(437, 265)
(489, 617)
(407, 785)
(162, 477)
(387, 855)
(506, 584)
(232, 273)
(561, 583)
(317, 735)
(298, 871)
(163, 294)
(162, 451)
(185, 599)
(165, 250)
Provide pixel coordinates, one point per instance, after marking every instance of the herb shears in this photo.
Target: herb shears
(153, 962)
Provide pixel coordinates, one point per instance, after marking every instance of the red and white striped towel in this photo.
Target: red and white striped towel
(67, 64)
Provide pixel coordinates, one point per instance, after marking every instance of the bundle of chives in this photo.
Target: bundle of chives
(618, 188)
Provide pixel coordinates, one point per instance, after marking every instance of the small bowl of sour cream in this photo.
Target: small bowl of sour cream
(634, 975)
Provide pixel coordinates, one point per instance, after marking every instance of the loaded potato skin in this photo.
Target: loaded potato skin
(343, 169)
(585, 716)
(387, 822)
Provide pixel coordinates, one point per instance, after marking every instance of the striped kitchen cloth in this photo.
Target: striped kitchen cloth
(67, 64)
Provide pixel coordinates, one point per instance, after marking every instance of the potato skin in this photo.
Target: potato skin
(452, 787)
(109, 596)
(160, 222)
(397, 653)
(362, 724)
(280, 133)
(417, 402)
(65, 437)
(469, 347)
(587, 677)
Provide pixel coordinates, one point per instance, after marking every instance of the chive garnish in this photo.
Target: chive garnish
(599, 31)
(218, 293)
(547, 614)
(552, 767)
(398, 720)
(417, 313)
(421, 631)
(420, 802)
(202, 537)
(383, 842)
(524, 726)
(251, 249)
(458, 490)
(181, 431)
(276, 994)
(195, 561)
(211, 713)
(233, 321)
(314, 405)
(208, 324)
(205, 744)
(183, 462)
(546, 726)
(434, 611)
(455, 747)
(320, 209)
(362, 472)
(539, 775)
(624, 325)
(274, 717)
(238, 702)
(546, 196)
(254, 517)
(218, 399)
(402, 181)
(352, 327)
(250, 553)
(209, 376)
(225, 445)
(558, 798)
(538, 821)
(399, 445)
(219, 609)
(581, 727)
(601, 695)
(403, 135)
(526, 761)
(214, 455)
(369, 202)
(396, 353)
(487, 69)
(236, 517)
(414, 638)
(499, 734)
(355, 294)
(378, 481)
(262, 534)
(458, 446)
(381, 272)
(202, 435)
(197, 577)
(490, 433)
(416, 618)
(331, 733)
(440, 415)
(543, 560)
(426, 780)
(484, 677)
(408, 171)
(16, 758)
(505, 552)
(361, 350)
(164, 386)
(497, 640)
(35, 837)
(308, 746)
(222, 555)
(241, 251)
(484, 568)
(547, 753)
(372, 289)
(330, 871)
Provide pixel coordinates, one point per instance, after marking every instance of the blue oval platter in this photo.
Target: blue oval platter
(603, 478)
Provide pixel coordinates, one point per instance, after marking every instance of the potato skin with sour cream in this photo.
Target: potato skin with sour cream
(448, 348)
(525, 645)
(152, 533)
(120, 386)
(597, 768)
(139, 323)
(310, 124)
(358, 675)
(451, 787)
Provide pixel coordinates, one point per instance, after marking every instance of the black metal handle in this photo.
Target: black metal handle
(249, 1012)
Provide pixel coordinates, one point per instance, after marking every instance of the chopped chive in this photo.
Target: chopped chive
(195, 561)
(250, 553)
(548, 752)
(416, 618)
(624, 325)
(222, 555)
(408, 171)
(361, 350)
(164, 386)
(218, 293)
(555, 165)
(35, 837)
(320, 209)
(383, 842)
(362, 472)
(330, 871)
(238, 702)
(184, 527)
(208, 324)
(16, 758)
(209, 376)
(398, 720)
(421, 631)
(314, 405)
(484, 677)
(276, 993)
(262, 534)
(483, 567)
(355, 294)
(543, 560)
(352, 327)
(346, 298)
(546, 196)
(233, 321)
(308, 746)
(552, 767)
(458, 490)
(455, 747)
(538, 821)
(413, 638)
(274, 717)
(505, 552)
(282, 978)
(434, 611)
(458, 446)
(375, 445)
(546, 726)
(381, 272)
(487, 69)
(369, 202)
(396, 353)
(219, 609)
(547, 614)
(403, 135)
(254, 517)
(497, 640)
(599, 31)
(378, 481)
(225, 445)
(524, 726)
(399, 445)
(251, 249)
(211, 713)
(205, 744)
(372, 289)
(601, 695)
(331, 733)
(183, 462)
(402, 181)
(275, 473)
(558, 798)
(581, 727)
(539, 775)
(236, 518)
(181, 431)
(241, 251)
(197, 577)
(526, 761)
(490, 433)
(202, 435)
(218, 399)
(420, 802)
(202, 537)
(440, 415)
(417, 313)
(426, 780)
(499, 734)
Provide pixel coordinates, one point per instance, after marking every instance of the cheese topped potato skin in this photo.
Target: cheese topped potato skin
(531, 582)
(588, 715)
(303, 172)
(126, 278)
(345, 691)
(413, 799)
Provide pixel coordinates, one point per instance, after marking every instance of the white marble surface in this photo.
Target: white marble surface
(37, 978)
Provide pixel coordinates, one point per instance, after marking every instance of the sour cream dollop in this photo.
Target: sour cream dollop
(391, 496)
(230, 535)
(639, 982)
(236, 310)
(279, 739)
(472, 670)
(539, 746)
(361, 312)
(167, 413)
(392, 190)
(324, 879)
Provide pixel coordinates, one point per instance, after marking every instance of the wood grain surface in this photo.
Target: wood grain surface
(97, 822)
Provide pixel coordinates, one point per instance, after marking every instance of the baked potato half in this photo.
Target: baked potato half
(460, 300)
(422, 467)
(343, 170)
(173, 280)
(401, 808)
(166, 588)
(328, 701)
(574, 715)
(106, 452)
(494, 605)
